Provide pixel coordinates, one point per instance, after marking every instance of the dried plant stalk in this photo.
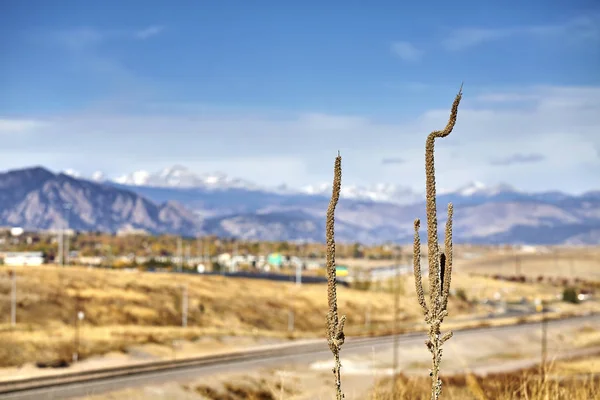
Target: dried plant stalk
(440, 264)
(335, 325)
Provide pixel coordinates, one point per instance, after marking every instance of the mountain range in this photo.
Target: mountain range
(179, 201)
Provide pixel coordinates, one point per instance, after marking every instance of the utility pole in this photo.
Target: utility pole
(235, 255)
(179, 252)
(60, 245)
(67, 207)
(187, 254)
(184, 306)
(199, 244)
(13, 298)
(79, 316)
(299, 270)
(206, 252)
(369, 283)
(110, 256)
(544, 341)
(294, 297)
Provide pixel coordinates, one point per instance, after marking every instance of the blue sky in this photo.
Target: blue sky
(269, 90)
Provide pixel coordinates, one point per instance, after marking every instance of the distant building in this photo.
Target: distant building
(129, 231)
(24, 258)
(16, 231)
(275, 259)
(313, 265)
(341, 270)
(89, 260)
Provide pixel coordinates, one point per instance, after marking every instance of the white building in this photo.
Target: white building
(24, 258)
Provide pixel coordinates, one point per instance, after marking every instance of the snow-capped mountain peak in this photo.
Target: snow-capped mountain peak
(318, 189)
(380, 192)
(480, 189)
(137, 178)
(471, 188)
(98, 176)
(179, 176)
(215, 178)
(72, 173)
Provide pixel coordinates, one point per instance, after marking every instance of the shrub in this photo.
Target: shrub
(461, 294)
(362, 284)
(570, 295)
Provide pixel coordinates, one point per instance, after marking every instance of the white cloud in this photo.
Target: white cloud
(519, 158)
(581, 29)
(149, 32)
(560, 123)
(325, 122)
(469, 37)
(76, 39)
(406, 51)
(18, 125)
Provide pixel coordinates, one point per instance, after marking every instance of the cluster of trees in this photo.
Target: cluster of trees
(103, 244)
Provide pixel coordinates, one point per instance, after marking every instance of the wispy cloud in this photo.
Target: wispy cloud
(406, 51)
(469, 37)
(82, 38)
(18, 125)
(325, 122)
(149, 32)
(510, 97)
(393, 161)
(585, 28)
(77, 38)
(519, 159)
(555, 128)
(87, 51)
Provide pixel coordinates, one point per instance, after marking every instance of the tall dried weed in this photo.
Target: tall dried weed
(440, 264)
(335, 324)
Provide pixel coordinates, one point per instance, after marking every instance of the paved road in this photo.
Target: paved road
(303, 353)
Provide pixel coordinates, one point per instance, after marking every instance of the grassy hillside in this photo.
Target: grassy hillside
(126, 308)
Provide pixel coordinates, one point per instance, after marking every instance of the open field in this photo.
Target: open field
(583, 263)
(127, 308)
(123, 309)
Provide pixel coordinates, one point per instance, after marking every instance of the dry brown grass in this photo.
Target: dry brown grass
(525, 384)
(559, 262)
(251, 389)
(588, 365)
(124, 309)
